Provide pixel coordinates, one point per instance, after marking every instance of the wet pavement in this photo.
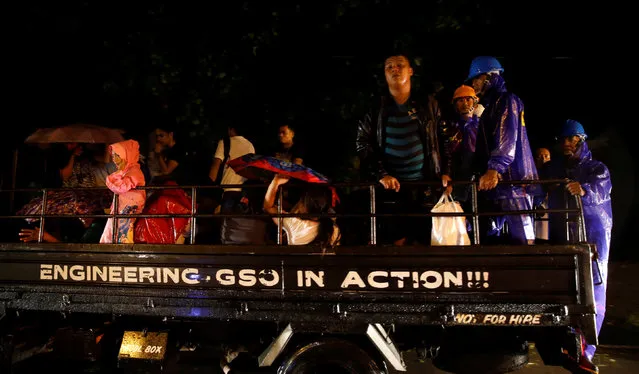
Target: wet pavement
(617, 360)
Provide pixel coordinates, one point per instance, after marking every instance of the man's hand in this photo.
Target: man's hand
(29, 235)
(575, 189)
(390, 183)
(445, 180)
(489, 180)
(158, 148)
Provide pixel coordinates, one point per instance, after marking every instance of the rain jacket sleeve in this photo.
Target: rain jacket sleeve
(506, 133)
(597, 187)
(120, 182)
(367, 149)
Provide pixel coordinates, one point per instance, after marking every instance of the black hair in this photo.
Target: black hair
(288, 124)
(318, 200)
(238, 127)
(404, 54)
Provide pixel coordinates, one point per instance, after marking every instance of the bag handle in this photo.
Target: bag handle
(446, 197)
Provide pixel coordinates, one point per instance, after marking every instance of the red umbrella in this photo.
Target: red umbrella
(252, 166)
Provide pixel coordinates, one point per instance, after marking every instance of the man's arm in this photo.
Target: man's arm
(506, 134)
(217, 161)
(166, 167)
(297, 154)
(597, 188)
(367, 150)
(215, 169)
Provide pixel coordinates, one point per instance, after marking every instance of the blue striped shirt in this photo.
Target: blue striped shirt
(404, 149)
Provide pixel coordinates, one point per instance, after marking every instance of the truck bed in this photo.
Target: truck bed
(540, 285)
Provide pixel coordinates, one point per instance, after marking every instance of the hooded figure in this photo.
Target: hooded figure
(123, 182)
(590, 179)
(459, 139)
(502, 150)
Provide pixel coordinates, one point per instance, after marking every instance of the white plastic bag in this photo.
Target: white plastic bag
(448, 230)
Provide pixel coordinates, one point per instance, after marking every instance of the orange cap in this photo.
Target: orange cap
(464, 91)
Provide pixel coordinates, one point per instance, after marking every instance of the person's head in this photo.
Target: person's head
(397, 70)
(542, 155)
(125, 153)
(571, 137)
(481, 69)
(318, 200)
(235, 129)
(465, 100)
(165, 136)
(286, 133)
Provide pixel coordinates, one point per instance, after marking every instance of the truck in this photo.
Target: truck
(298, 309)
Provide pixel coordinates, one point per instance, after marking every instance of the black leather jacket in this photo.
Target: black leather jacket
(371, 138)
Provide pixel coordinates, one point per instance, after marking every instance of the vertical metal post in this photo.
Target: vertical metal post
(475, 204)
(581, 223)
(193, 211)
(114, 237)
(373, 211)
(280, 237)
(42, 213)
(567, 216)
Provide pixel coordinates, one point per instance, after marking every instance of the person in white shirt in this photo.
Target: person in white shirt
(239, 146)
(231, 231)
(316, 199)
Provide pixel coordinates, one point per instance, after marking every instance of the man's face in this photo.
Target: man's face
(163, 137)
(465, 105)
(397, 70)
(479, 83)
(569, 144)
(542, 156)
(286, 135)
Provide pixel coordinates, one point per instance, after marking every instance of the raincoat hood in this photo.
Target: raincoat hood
(124, 180)
(582, 153)
(495, 85)
(129, 151)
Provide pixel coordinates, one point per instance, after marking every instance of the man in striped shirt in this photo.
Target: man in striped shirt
(397, 143)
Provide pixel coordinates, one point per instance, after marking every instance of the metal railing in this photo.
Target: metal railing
(372, 215)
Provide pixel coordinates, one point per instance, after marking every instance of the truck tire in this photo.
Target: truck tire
(481, 360)
(6, 353)
(330, 356)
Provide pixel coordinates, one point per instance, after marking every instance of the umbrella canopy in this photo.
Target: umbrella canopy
(252, 166)
(77, 133)
(69, 203)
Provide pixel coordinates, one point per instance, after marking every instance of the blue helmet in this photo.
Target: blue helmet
(483, 64)
(572, 128)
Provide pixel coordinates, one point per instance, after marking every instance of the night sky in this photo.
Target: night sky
(560, 57)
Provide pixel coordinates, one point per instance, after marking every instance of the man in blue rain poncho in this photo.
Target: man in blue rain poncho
(590, 179)
(502, 152)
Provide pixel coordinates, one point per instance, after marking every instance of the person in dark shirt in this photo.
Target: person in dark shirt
(171, 157)
(397, 143)
(287, 149)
